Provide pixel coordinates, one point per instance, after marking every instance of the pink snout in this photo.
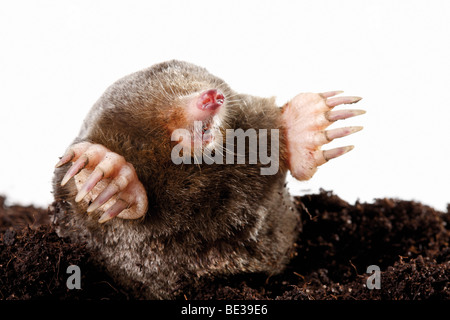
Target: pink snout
(210, 100)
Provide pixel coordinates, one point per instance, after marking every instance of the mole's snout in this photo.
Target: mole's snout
(211, 100)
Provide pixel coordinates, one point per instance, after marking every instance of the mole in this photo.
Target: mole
(175, 178)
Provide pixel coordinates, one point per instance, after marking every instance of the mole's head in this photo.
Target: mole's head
(182, 98)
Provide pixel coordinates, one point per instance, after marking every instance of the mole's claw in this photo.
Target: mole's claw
(74, 169)
(65, 158)
(330, 135)
(342, 114)
(330, 94)
(103, 197)
(341, 100)
(90, 183)
(114, 210)
(124, 176)
(337, 152)
(73, 153)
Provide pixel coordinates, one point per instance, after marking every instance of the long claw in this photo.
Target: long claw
(330, 94)
(114, 210)
(74, 169)
(342, 100)
(341, 132)
(337, 152)
(103, 197)
(65, 158)
(93, 179)
(343, 114)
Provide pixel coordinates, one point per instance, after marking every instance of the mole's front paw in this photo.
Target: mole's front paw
(305, 118)
(105, 181)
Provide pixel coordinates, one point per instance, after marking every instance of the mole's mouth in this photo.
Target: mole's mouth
(205, 132)
(199, 136)
(205, 128)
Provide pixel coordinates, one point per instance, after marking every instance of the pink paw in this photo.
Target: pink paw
(306, 117)
(105, 181)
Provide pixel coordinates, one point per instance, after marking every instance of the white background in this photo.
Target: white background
(57, 57)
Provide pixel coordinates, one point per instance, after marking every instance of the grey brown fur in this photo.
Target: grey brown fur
(203, 220)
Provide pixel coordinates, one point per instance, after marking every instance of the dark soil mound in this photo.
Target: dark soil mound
(408, 241)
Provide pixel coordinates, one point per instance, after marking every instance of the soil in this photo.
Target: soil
(407, 240)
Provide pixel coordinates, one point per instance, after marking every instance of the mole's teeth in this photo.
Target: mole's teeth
(95, 177)
(333, 102)
(114, 210)
(74, 169)
(341, 132)
(103, 197)
(65, 158)
(343, 114)
(337, 152)
(331, 93)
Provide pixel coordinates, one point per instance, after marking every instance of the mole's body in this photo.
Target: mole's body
(155, 223)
